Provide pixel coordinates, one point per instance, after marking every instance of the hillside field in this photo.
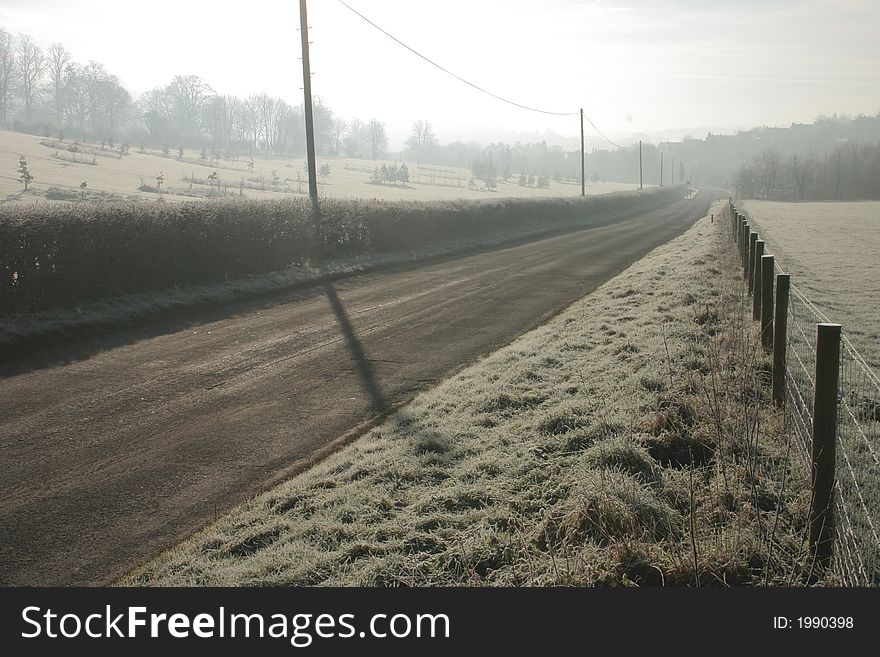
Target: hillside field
(830, 250)
(112, 177)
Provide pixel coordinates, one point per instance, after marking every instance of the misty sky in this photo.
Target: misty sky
(633, 65)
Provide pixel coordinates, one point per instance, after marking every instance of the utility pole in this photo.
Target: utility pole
(672, 173)
(640, 164)
(583, 171)
(307, 104)
(661, 168)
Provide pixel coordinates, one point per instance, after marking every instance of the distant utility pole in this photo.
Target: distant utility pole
(583, 171)
(307, 103)
(661, 168)
(672, 171)
(640, 164)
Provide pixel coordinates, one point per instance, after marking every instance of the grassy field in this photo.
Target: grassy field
(831, 252)
(113, 177)
(617, 444)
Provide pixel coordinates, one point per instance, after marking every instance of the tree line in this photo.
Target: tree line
(848, 172)
(43, 91)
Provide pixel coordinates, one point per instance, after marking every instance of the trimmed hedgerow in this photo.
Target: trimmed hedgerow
(53, 256)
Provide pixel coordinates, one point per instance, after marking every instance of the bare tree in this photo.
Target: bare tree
(116, 103)
(250, 120)
(376, 137)
(156, 108)
(31, 64)
(801, 171)
(421, 141)
(339, 127)
(220, 118)
(769, 162)
(58, 60)
(75, 97)
(7, 72)
(355, 138)
(107, 101)
(284, 124)
(188, 94)
(323, 120)
(264, 107)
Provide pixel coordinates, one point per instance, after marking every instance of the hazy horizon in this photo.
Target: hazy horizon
(636, 67)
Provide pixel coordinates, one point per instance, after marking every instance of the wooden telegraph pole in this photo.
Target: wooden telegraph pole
(640, 165)
(661, 168)
(307, 104)
(583, 171)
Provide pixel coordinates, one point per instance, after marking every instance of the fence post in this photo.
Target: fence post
(767, 263)
(743, 236)
(780, 338)
(750, 259)
(756, 280)
(824, 442)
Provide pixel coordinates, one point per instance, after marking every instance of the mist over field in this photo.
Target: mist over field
(383, 92)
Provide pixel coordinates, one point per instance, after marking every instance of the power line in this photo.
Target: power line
(458, 77)
(475, 86)
(600, 133)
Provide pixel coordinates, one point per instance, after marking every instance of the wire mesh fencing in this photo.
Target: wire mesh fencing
(856, 499)
(857, 494)
(800, 368)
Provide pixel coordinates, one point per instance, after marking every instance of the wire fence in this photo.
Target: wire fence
(856, 499)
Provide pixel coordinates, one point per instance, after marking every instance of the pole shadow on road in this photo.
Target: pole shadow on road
(378, 403)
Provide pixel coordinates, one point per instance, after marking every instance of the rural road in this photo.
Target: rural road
(117, 447)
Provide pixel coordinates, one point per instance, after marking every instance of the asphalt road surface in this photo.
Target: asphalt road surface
(115, 448)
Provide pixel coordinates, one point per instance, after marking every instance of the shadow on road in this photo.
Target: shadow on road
(378, 403)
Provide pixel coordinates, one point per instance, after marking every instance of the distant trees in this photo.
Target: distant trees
(48, 92)
(849, 172)
(94, 101)
(390, 174)
(340, 125)
(30, 63)
(483, 168)
(58, 60)
(421, 142)
(188, 95)
(187, 111)
(7, 73)
(376, 137)
(355, 138)
(222, 117)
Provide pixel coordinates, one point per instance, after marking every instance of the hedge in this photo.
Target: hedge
(60, 255)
